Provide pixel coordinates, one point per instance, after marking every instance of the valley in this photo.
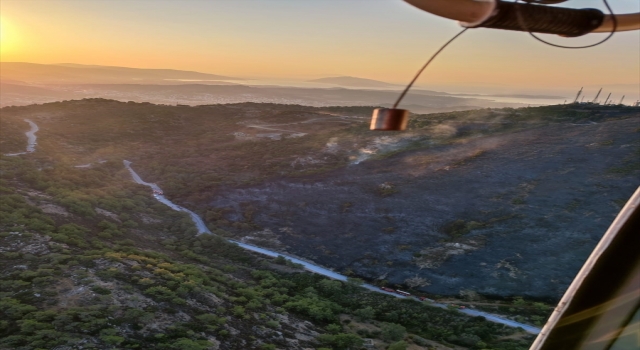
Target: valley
(489, 204)
(463, 200)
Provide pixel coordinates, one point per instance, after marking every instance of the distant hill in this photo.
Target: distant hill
(26, 90)
(352, 81)
(523, 96)
(77, 73)
(11, 81)
(212, 93)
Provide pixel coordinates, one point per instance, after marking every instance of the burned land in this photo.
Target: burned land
(502, 202)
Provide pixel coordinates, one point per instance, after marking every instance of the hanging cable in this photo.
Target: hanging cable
(525, 28)
(425, 66)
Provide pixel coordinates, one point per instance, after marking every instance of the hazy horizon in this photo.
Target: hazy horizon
(297, 41)
(74, 74)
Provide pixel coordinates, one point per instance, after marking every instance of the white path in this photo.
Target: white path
(273, 129)
(270, 126)
(202, 228)
(31, 139)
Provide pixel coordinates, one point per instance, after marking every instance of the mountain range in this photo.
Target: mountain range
(78, 73)
(353, 82)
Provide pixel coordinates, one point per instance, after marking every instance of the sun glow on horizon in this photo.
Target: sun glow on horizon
(7, 36)
(3, 31)
(250, 39)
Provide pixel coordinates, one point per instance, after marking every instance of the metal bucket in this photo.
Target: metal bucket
(389, 119)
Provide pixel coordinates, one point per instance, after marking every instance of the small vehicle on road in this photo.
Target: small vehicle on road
(403, 293)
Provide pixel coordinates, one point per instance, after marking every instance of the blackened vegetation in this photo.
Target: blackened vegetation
(484, 203)
(504, 202)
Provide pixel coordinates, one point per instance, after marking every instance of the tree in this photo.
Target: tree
(341, 341)
(31, 326)
(518, 301)
(401, 345)
(542, 307)
(347, 341)
(161, 293)
(334, 328)
(329, 287)
(72, 234)
(208, 319)
(273, 324)
(319, 310)
(238, 310)
(188, 344)
(393, 331)
(14, 309)
(112, 339)
(365, 314)
(108, 335)
(280, 260)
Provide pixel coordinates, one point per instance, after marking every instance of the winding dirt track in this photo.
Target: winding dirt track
(31, 139)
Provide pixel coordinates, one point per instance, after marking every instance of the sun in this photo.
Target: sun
(2, 30)
(7, 36)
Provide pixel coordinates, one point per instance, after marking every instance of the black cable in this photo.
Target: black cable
(526, 29)
(425, 66)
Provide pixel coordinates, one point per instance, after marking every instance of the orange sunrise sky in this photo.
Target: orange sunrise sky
(385, 40)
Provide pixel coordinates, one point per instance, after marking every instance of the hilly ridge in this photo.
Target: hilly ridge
(77, 73)
(353, 81)
(447, 204)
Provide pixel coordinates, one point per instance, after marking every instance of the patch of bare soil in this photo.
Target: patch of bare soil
(70, 294)
(50, 208)
(108, 214)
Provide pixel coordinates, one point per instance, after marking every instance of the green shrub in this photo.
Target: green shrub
(393, 331)
(401, 345)
(273, 324)
(100, 290)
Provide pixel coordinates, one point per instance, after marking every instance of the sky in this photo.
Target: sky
(385, 40)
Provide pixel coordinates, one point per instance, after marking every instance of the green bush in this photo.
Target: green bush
(160, 293)
(393, 331)
(365, 314)
(401, 345)
(273, 324)
(100, 290)
(341, 341)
